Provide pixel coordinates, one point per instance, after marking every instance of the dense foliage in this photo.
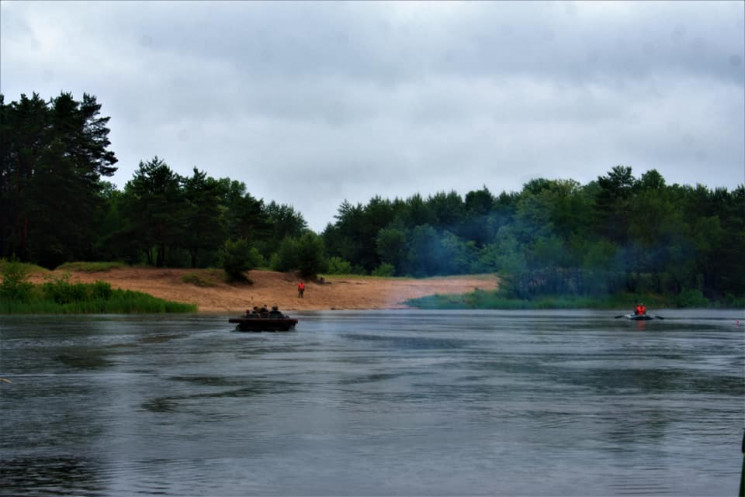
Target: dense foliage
(557, 237)
(55, 207)
(619, 233)
(52, 157)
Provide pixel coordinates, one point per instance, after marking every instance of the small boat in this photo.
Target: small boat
(641, 317)
(271, 321)
(260, 323)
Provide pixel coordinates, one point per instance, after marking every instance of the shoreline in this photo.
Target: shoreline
(205, 288)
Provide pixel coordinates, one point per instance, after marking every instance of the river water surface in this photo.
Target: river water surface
(373, 403)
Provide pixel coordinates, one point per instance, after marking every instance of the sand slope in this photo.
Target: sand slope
(273, 288)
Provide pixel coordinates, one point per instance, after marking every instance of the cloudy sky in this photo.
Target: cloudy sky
(313, 103)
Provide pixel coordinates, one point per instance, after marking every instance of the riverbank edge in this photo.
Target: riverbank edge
(271, 286)
(480, 300)
(207, 289)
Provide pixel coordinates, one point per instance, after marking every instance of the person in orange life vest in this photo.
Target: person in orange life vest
(300, 289)
(643, 309)
(638, 310)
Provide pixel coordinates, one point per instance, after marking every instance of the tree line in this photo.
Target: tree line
(556, 236)
(618, 233)
(56, 207)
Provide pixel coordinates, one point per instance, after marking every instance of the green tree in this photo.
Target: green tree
(477, 224)
(155, 210)
(53, 156)
(447, 209)
(311, 255)
(612, 204)
(479, 202)
(287, 257)
(203, 220)
(662, 256)
(15, 284)
(425, 252)
(306, 255)
(245, 216)
(282, 221)
(24, 138)
(385, 270)
(417, 212)
(337, 265)
(237, 257)
(392, 246)
(344, 237)
(458, 256)
(510, 262)
(720, 259)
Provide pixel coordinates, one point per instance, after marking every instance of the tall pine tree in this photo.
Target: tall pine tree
(52, 157)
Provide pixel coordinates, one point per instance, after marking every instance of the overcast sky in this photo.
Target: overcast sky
(313, 103)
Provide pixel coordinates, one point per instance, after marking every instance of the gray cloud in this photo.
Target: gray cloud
(313, 103)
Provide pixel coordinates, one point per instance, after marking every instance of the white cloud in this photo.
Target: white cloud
(313, 103)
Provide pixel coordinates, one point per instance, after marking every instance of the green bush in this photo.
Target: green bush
(384, 270)
(733, 301)
(286, 258)
(90, 267)
(311, 255)
(100, 290)
(337, 265)
(237, 257)
(691, 298)
(197, 280)
(100, 299)
(14, 286)
(62, 291)
(306, 255)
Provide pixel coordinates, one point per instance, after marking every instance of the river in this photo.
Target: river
(373, 403)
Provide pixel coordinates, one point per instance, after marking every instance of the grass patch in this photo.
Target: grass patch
(120, 302)
(58, 295)
(199, 280)
(90, 267)
(26, 267)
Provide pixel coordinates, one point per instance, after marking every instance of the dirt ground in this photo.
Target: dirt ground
(272, 288)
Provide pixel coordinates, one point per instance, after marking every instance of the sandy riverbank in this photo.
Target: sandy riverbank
(272, 288)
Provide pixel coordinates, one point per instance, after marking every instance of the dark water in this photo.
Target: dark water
(373, 403)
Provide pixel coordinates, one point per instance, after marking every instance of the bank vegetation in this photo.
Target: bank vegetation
(618, 235)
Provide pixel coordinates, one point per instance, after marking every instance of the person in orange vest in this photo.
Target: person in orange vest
(300, 289)
(638, 310)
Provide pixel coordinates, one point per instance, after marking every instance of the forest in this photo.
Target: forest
(618, 233)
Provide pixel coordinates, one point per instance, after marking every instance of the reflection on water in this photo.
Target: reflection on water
(373, 403)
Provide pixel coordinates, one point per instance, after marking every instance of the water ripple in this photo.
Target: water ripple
(411, 403)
